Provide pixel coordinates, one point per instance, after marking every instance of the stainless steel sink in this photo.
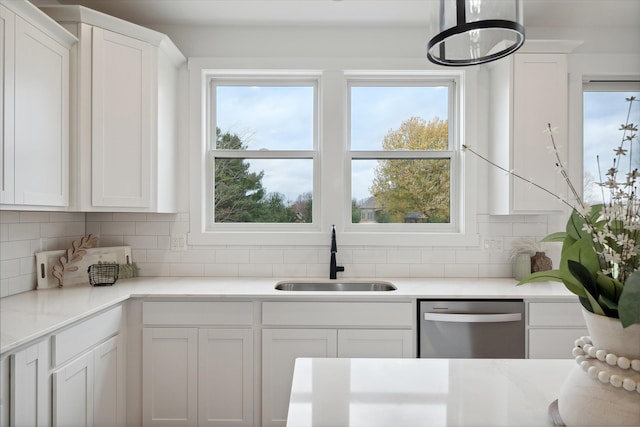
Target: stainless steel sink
(332, 286)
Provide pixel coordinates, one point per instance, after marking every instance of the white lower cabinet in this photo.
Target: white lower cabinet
(89, 373)
(169, 376)
(360, 329)
(200, 375)
(225, 377)
(30, 387)
(552, 328)
(73, 393)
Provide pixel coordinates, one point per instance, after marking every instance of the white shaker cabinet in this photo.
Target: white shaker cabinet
(552, 328)
(90, 372)
(528, 91)
(125, 113)
(198, 363)
(30, 386)
(34, 152)
(326, 329)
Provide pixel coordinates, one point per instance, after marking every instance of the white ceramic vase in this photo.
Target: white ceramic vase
(585, 400)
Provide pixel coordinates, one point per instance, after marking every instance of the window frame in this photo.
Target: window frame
(384, 79)
(331, 200)
(601, 84)
(258, 78)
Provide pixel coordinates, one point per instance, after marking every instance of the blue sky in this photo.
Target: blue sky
(604, 113)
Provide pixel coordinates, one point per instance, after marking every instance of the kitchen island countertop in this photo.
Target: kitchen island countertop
(30, 315)
(425, 392)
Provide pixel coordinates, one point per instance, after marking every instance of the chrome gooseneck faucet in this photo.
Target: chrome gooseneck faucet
(333, 268)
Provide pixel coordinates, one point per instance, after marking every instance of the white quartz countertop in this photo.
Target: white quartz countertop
(33, 314)
(425, 392)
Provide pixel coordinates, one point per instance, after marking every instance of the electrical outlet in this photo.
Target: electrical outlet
(178, 242)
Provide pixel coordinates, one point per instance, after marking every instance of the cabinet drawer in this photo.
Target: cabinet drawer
(555, 314)
(197, 313)
(553, 343)
(85, 335)
(388, 314)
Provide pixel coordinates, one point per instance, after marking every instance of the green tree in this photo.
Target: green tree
(237, 192)
(273, 208)
(404, 186)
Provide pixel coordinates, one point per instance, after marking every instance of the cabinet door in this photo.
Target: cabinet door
(7, 44)
(121, 120)
(41, 109)
(540, 97)
(30, 386)
(109, 387)
(225, 377)
(374, 343)
(73, 393)
(169, 376)
(280, 348)
(553, 343)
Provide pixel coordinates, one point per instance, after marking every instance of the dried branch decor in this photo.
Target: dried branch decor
(74, 254)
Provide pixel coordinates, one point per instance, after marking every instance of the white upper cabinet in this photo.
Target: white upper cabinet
(528, 91)
(34, 154)
(125, 126)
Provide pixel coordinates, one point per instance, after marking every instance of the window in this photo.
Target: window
(283, 154)
(262, 150)
(402, 142)
(604, 109)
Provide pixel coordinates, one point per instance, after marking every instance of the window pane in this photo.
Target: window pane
(401, 191)
(267, 117)
(263, 190)
(604, 112)
(378, 111)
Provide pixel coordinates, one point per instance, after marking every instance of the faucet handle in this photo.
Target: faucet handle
(334, 245)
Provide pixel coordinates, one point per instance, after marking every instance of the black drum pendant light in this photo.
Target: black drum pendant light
(476, 31)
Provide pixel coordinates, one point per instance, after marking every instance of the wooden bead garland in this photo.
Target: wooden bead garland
(584, 350)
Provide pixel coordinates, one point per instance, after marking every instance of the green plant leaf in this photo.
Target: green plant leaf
(583, 253)
(609, 287)
(555, 237)
(629, 303)
(565, 277)
(584, 276)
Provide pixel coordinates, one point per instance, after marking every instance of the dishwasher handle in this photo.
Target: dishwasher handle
(473, 318)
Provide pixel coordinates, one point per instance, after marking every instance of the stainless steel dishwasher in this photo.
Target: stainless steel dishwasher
(471, 329)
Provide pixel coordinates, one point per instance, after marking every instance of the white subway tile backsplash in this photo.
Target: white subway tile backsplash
(530, 229)
(127, 228)
(255, 270)
(266, 256)
(221, 270)
(128, 216)
(24, 231)
(149, 235)
(195, 256)
(34, 217)
(141, 242)
(190, 270)
(228, 256)
(369, 256)
(461, 270)
(404, 256)
(9, 268)
(15, 249)
(7, 217)
(159, 255)
(152, 228)
(427, 270)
